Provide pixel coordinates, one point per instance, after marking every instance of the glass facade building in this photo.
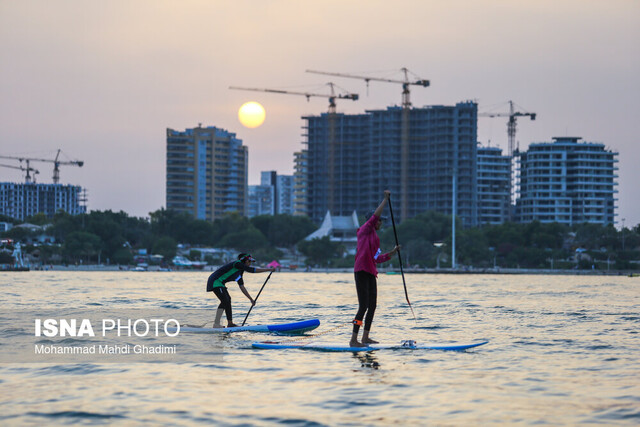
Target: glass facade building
(567, 181)
(261, 199)
(207, 172)
(300, 165)
(494, 186)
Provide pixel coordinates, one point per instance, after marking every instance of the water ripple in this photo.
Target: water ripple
(563, 352)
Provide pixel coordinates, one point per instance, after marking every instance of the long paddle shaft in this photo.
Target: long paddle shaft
(406, 294)
(257, 296)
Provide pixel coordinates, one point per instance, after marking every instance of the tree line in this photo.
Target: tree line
(533, 245)
(426, 240)
(115, 237)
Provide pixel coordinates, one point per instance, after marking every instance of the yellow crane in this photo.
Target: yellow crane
(56, 163)
(404, 138)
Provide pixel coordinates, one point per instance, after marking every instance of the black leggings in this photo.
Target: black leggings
(367, 289)
(225, 301)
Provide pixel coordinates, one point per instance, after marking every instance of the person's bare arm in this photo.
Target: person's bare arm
(380, 208)
(246, 293)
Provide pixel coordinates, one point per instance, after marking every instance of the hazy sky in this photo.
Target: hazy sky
(102, 80)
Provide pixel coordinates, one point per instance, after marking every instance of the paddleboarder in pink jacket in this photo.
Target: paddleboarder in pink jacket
(368, 254)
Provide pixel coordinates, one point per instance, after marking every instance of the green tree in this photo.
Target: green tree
(63, 224)
(108, 227)
(266, 255)
(246, 240)
(229, 224)
(473, 247)
(19, 234)
(80, 244)
(320, 251)
(6, 258)
(167, 222)
(262, 223)
(122, 256)
(195, 255)
(417, 252)
(38, 219)
(295, 229)
(165, 246)
(430, 226)
(47, 252)
(417, 236)
(588, 235)
(6, 218)
(199, 232)
(284, 230)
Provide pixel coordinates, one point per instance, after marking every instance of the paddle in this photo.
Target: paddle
(406, 294)
(256, 300)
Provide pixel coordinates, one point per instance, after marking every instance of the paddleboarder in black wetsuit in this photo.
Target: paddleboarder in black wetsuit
(232, 271)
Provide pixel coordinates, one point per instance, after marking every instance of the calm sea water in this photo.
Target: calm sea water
(563, 351)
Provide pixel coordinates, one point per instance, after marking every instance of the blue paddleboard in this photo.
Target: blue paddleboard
(284, 328)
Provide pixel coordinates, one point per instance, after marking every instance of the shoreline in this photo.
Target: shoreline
(382, 271)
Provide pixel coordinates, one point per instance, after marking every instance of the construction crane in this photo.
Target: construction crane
(332, 97)
(404, 138)
(29, 169)
(56, 163)
(406, 93)
(511, 124)
(332, 168)
(511, 137)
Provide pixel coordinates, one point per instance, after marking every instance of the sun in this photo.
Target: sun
(251, 114)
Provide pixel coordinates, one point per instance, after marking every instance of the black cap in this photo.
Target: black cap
(244, 257)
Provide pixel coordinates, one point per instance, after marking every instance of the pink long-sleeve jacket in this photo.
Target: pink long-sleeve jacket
(368, 252)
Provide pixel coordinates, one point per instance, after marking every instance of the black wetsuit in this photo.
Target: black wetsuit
(227, 273)
(367, 290)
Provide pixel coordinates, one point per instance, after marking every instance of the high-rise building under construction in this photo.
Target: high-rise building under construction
(353, 158)
(207, 172)
(20, 201)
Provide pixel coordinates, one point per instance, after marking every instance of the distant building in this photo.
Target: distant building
(494, 186)
(282, 191)
(341, 229)
(261, 200)
(39, 233)
(207, 172)
(268, 178)
(568, 182)
(284, 194)
(300, 205)
(21, 201)
(352, 159)
(338, 164)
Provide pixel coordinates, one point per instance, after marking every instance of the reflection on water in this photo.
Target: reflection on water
(562, 351)
(367, 360)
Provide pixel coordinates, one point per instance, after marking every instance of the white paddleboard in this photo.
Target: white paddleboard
(403, 345)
